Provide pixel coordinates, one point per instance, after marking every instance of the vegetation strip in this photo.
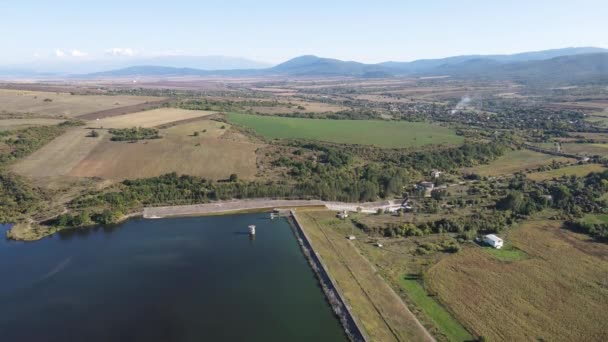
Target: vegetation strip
(331, 290)
(381, 312)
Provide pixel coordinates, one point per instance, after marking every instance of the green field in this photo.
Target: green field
(507, 253)
(368, 132)
(595, 218)
(515, 161)
(442, 318)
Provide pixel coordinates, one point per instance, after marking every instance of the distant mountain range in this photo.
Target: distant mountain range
(60, 67)
(581, 64)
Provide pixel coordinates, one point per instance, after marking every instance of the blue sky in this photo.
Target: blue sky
(273, 31)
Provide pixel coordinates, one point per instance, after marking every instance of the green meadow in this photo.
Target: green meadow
(388, 134)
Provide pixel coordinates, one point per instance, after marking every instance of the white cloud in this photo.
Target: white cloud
(59, 53)
(78, 53)
(121, 52)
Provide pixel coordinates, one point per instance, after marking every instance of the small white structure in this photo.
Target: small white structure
(436, 173)
(493, 241)
(378, 244)
(251, 230)
(352, 237)
(343, 214)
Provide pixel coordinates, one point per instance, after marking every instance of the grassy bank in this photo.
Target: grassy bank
(440, 316)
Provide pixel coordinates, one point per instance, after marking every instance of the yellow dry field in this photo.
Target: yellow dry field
(600, 137)
(600, 149)
(63, 104)
(559, 292)
(207, 155)
(575, 170)
(11, 124)
(296, 106)
(59, 156)
(515, 161)
(149, 118)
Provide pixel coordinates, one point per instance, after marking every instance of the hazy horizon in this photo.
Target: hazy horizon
(272, 32)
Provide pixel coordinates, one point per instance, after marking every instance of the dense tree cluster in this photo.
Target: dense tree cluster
(134, 134)
(17, 198)
(598, 231)
(467, 227)
(572, 196)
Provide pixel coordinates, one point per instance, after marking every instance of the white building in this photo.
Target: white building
(436, 173)
(493, 241)
(343, 214)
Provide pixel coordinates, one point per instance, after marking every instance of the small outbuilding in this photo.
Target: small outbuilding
(426, 185)
(493, 241)
(436, 173)
(426, 188)
(343, 214)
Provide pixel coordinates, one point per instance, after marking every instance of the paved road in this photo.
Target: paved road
(253, 204)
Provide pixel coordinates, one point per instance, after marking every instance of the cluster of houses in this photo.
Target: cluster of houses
(427, 187)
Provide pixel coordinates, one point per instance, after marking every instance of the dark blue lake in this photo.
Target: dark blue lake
(182, 279)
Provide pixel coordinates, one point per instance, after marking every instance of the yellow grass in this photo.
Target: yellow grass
(380, 311)
(11, 124)
(149, 118)
(212, 154)
(59, 156)
(576, 170)
(208, 155)
(558, 293)
(63, 104)
(212, 129)
(308, 107)
(514, 161)
(586, 149)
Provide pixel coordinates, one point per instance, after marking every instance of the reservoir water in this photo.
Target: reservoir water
(182, 279)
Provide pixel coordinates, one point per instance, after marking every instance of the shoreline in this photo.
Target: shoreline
(33, 231)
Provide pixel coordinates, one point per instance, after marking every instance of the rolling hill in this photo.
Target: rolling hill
(561, 65)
